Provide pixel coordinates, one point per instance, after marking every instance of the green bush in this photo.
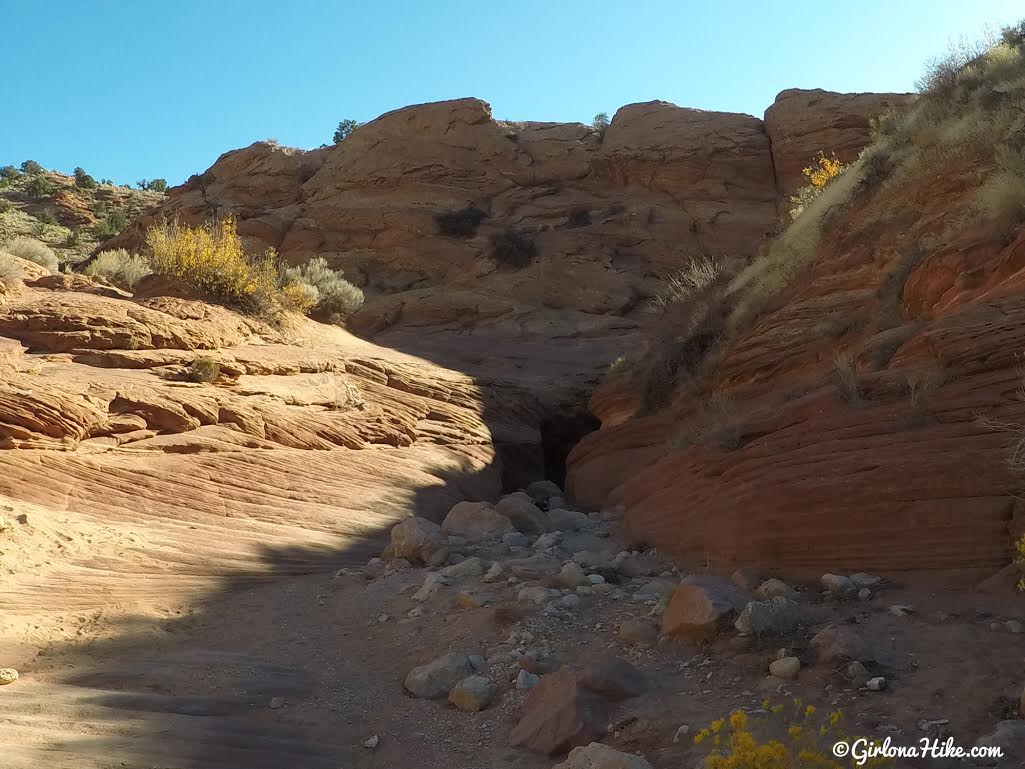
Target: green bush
(5, 205)
(512, 248)
(345, 129)
(33, 251)
(10, 271)
(31, 167)
(111, 225)
(84, 180)
(158, 185)
(40, 187)
(600, 123)
(336, 298)
(119, 267)
(204, 370)
(462, 223)
(8, 173)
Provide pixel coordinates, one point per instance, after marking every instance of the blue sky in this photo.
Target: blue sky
(134, 89)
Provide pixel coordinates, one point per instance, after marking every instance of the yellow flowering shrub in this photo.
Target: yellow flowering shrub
(210, 258)
(823, 170)
(793, 736)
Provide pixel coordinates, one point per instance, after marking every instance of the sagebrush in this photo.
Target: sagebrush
(33, 251)
(333, 297)
(119, 267)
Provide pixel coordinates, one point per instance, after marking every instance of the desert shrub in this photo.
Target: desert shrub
(40, 187)
(8, 173)
(876, 165)
(820, 174)
(119, 267)
(683, 284)
(210, 259)
(111, 225)
(33, 251)
(47, 216)
(513, 248)
(31, 167)
(5, 205)
(10, 271)
(600, 123)
(337, 298)
(579, 217)
(158, 185)
(847, 377)
(84, 180)
(692, 312)
(345, 129)
(1002, 197)
(300, 297)
(204, 370)
(460, 223)
(794, 736)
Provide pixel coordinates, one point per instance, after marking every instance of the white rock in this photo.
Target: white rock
(876, 684)
(536, 594)
(572, 575)
(436, 679)
(570, 601)
(475, 521)
(786, 668)
(526, 680)
(8, 676)
(469, 567)
(837, 584)
(861, 579)
(681, 732)
(600, 756)
(432, 583)
(596, 579)
(473, 693)
(495, 573)
(372, 743)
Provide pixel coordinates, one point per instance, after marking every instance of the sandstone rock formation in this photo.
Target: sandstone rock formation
(802, 123)
(611, 215)
(898, 475)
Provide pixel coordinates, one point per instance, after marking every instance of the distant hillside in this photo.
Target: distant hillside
(70, 214)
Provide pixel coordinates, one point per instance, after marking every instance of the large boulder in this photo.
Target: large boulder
(419, 540)
(558, 714)
(613, 678)
(701, 607)
(841, 643)
(527, 517)
(437, 678)
(599, 756)
(475, 521)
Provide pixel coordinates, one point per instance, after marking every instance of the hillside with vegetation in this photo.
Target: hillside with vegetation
(70, 215)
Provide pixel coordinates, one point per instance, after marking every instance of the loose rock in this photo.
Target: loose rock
(436, 679)
(568, 520)
(432, 583)
(559, 714)
(8, 676)
(837, 584)
(599, 756)
(475, 521)
(419, 541)
(786, 668)
(468, 567)
(613, 678)
(701, 607)
(542, 491)
(840, 642)
(473, 693)
(572, 575)
(876, 684)
(525, 516)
